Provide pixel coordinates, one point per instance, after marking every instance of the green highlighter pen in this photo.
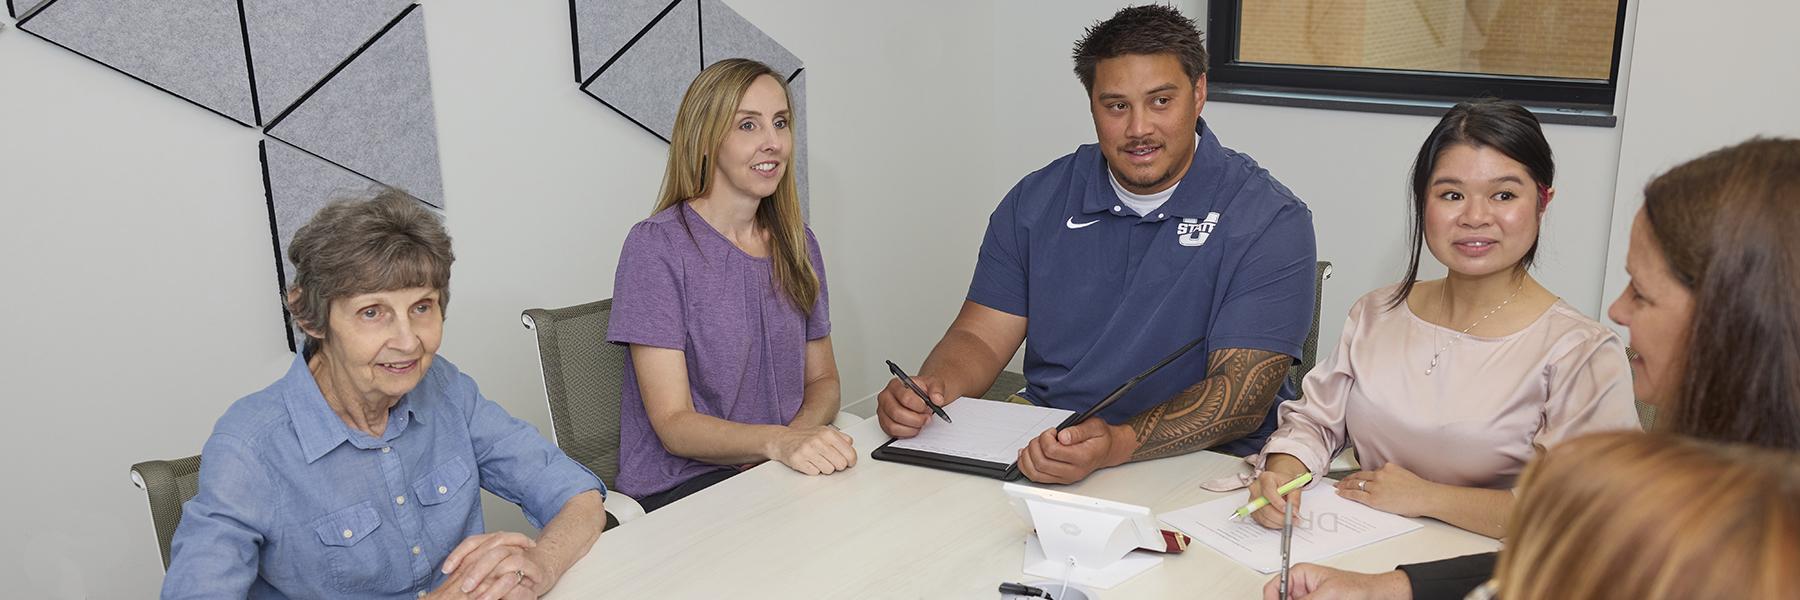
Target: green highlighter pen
(1245, 510)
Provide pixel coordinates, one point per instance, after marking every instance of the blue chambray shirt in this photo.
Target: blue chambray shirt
(294, 503)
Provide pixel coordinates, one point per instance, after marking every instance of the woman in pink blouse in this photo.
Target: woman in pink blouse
(1445, 386)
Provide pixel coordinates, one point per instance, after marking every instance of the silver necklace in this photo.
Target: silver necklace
(1445, 303)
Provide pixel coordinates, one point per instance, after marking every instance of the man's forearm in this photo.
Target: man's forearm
(966, 364)
(1229, 403)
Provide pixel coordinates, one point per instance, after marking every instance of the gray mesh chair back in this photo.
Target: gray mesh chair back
(1007, 384)
(584, 376)
(1309, 352)
(170, 483)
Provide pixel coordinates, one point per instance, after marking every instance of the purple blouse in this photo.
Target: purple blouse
(682, 285)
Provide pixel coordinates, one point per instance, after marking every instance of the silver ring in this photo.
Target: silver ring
(521, 576)
(1359, 485)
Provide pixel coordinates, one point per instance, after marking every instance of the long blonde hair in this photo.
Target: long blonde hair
(706, 113)
(1654, 516)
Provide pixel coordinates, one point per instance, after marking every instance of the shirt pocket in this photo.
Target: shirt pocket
(354, 562)
(444, 504)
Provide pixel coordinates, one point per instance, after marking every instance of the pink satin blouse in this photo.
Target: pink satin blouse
(1474, 420)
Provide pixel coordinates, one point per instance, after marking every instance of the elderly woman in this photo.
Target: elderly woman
(358, 474)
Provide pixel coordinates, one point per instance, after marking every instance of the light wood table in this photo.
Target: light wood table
(887, 530)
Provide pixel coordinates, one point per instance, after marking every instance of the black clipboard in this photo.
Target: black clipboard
(1010, 471)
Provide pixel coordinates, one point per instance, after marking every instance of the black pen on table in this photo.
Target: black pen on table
(935, 409)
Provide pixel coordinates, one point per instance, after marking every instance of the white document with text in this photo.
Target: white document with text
(1324, 524)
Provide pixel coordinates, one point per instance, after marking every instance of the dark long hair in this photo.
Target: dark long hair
(1729, 224)
(1486, 123)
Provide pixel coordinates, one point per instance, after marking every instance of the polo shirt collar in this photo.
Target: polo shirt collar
(319, 428)
(1193, 197)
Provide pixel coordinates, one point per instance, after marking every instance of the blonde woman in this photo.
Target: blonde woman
(720, 296)
(1654, 517)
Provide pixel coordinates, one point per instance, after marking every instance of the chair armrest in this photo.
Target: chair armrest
(623, 507)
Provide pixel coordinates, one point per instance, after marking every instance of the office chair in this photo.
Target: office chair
(1309, 351)
(583, 377)
(1007, 384)
(169, 483)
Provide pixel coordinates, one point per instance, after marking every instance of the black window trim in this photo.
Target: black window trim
(1555, 100)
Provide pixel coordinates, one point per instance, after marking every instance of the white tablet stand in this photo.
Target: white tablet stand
(1101, 537)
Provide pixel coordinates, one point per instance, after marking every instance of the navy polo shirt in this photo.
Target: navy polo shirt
(1108, 293)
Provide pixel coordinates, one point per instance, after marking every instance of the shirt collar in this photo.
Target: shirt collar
(1193, 195)
(319, 428)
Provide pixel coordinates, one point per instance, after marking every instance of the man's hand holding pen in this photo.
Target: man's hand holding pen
(901, 412)
(1070, 455)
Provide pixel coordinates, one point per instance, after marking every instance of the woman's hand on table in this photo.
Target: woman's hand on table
(1312, 582)
(813, 450)
(1390, 489)
(498, 565)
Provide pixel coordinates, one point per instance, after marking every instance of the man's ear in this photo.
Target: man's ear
(1200, 94)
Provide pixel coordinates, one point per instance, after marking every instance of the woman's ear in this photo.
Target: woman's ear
(1545, 194)
(292, 297)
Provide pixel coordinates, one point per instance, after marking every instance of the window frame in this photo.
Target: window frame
(1385, 86)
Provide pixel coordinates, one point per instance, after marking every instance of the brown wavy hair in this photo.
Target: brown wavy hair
(1729, 224)
(1654, 516)
(700, 126)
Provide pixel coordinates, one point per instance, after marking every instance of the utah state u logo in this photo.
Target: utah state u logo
(1193, 232)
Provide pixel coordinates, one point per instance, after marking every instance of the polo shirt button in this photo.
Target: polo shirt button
(387, 449)
(415, 549)
(400, 500)
(421, 593)
(1160, 215)
(443, 490)
(347, 534)
(1117, 209)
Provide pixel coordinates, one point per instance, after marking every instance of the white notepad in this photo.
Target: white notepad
(1324, 524)
(984, 430)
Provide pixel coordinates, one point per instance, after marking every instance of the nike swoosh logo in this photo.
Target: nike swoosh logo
(1073, 225)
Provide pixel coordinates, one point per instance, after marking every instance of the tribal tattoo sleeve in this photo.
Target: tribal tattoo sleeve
(1229, 403)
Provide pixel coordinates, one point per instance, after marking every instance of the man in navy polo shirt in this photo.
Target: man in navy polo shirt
(1113, 257)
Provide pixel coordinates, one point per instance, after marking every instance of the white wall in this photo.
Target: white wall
(139, 300)
(1700, 83)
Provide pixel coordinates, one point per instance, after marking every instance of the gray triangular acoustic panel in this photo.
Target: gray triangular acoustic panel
(294, 45)
(602, 27)
(797, 87)
(375, 115)
(724, 34)
(646, 82)
(193, 49)
(20, 7)
(297, 185)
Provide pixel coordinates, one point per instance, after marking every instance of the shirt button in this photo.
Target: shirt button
(1160, 215)
(347, 533)
(400, 500)
(421, 593)
(415, 549)
(1117, 209)
(386, 449)
(443, 490)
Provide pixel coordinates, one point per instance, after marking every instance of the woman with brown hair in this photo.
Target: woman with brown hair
(1654, 517)
(720, 295)
(1714, 312)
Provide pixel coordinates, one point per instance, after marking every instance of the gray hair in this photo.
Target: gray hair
(352, 246)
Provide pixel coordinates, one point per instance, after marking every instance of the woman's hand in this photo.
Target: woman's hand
(1391, 489)
(498, 565)
(1278, 470)
(1307, 580)
(813, 450)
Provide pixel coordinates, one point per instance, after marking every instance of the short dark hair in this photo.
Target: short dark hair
(1141, 30)
(1726, 223)
(352, 246)
(1485, 123)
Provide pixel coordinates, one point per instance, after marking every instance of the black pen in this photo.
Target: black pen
(935, 409)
